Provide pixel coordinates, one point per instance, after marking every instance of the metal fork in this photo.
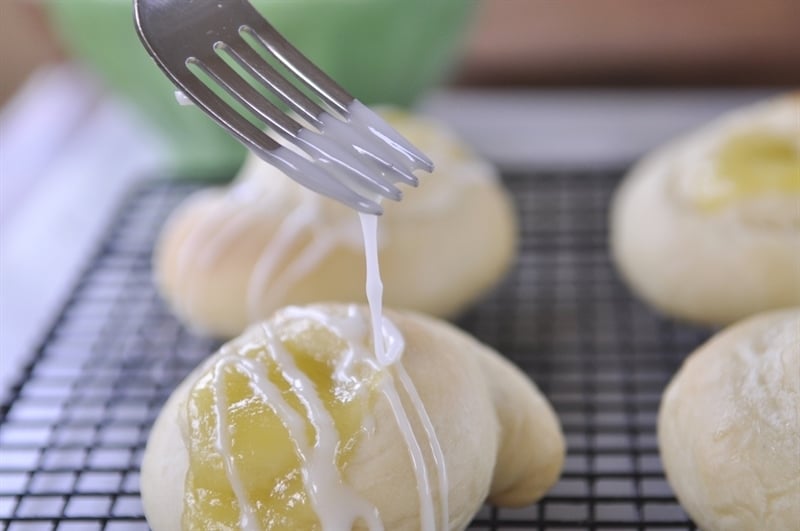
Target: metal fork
(343, 150)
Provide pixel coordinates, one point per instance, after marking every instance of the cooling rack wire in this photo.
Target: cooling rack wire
(74, 428)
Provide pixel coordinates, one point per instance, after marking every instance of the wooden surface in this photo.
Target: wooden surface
(557, 42)
(634, 42)
(26, 43)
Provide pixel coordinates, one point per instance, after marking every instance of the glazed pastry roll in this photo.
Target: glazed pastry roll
(229, 257)
(707, 229)
(295, 425)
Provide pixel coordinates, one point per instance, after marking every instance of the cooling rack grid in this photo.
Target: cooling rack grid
(74, 429)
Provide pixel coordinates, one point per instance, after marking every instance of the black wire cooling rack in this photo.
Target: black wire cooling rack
(74, 429)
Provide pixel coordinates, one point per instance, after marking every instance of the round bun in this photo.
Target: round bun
(230, 257)
(498, 436)
(707, 229)
(729, 427)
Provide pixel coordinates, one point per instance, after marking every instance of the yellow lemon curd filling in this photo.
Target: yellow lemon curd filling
(750, 165)
(262, 453)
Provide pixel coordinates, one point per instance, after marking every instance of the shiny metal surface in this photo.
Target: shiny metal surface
(188, 37)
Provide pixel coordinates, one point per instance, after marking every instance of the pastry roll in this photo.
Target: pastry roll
(729, 427)
(228, 257)
(707, 229)
(295, 425)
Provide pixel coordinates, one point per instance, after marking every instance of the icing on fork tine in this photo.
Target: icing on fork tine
(346, 151)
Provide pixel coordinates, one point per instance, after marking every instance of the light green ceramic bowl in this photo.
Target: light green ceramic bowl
(382, 51)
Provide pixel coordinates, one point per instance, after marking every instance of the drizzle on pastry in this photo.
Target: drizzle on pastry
(271, 426)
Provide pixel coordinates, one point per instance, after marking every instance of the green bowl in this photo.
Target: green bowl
(382, 51)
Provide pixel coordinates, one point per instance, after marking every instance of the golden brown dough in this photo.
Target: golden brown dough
(499, 436)
(729, 427)
(229, 257)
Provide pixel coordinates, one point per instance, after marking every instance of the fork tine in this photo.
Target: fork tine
(340, 163)
(392, 166)
(293, 165)
(325, 87)
(319, 180)
(367, 119)
(258, 67)
(246, 57)
(350, 167)
(253, 137)
(389, 170)
(227, 78)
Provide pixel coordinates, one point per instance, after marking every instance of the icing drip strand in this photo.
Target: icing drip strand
(276, 380)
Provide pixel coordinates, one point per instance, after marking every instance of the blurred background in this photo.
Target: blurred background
(84, 112)
(536, 42)
(541, 42)
(397, 52)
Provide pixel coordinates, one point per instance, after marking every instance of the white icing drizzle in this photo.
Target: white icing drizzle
(336, 504)
(265, 290)
(247, 517)
(227, 233)
(190, 247)
(288, 232)
(433, 443)
(307, 260)
(352, 329)
(426, 514)
(363, 119)
(301, 212)
(333, 127)
(374, 286)
(182, 99)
